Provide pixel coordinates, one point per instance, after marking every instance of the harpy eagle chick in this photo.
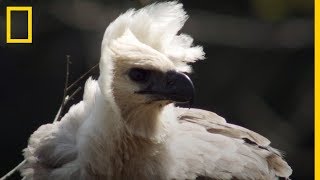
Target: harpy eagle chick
(127, 127)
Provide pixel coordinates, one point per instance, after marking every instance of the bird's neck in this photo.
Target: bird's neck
(144, 121)
(148, 122)
(110, 138)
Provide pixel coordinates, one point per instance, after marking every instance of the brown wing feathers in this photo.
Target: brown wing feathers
(216, 124)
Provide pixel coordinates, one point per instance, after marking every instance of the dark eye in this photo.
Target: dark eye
(139, 75)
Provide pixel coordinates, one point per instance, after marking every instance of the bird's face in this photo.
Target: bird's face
(144, 78)
(149, 83)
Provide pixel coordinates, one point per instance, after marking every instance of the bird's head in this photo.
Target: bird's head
(146, 77)
(144, 61)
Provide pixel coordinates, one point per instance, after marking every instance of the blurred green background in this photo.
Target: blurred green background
(259, 71)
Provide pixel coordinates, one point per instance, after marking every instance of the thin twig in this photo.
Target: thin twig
(65, 100)
(74, 93)
(13, 170)
(83, 76)
(65, 91)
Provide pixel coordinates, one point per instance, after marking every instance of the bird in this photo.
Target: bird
(128, 124)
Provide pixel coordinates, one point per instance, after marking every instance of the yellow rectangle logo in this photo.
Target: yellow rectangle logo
(19, 8)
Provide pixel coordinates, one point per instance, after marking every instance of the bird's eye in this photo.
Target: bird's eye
(139, 75)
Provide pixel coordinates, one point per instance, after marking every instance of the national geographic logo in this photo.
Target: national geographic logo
(9, 13)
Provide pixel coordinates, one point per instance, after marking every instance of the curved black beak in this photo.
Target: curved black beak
(174, 86)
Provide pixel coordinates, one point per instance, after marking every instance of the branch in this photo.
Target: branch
(13, 170)
(73, 94)
(65, 91)
(83, 76)
(65, 100)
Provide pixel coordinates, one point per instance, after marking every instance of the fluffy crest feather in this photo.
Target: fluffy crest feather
(157, 26)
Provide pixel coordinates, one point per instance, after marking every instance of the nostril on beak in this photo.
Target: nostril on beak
(171, 79)
(170, 82)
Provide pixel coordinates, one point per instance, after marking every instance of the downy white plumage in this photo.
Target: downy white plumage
(126, 126)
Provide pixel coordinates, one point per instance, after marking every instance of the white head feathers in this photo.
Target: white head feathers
(157, 26)
(154, 28)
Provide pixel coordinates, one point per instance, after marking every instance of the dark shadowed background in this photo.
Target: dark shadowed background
(259, 71)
